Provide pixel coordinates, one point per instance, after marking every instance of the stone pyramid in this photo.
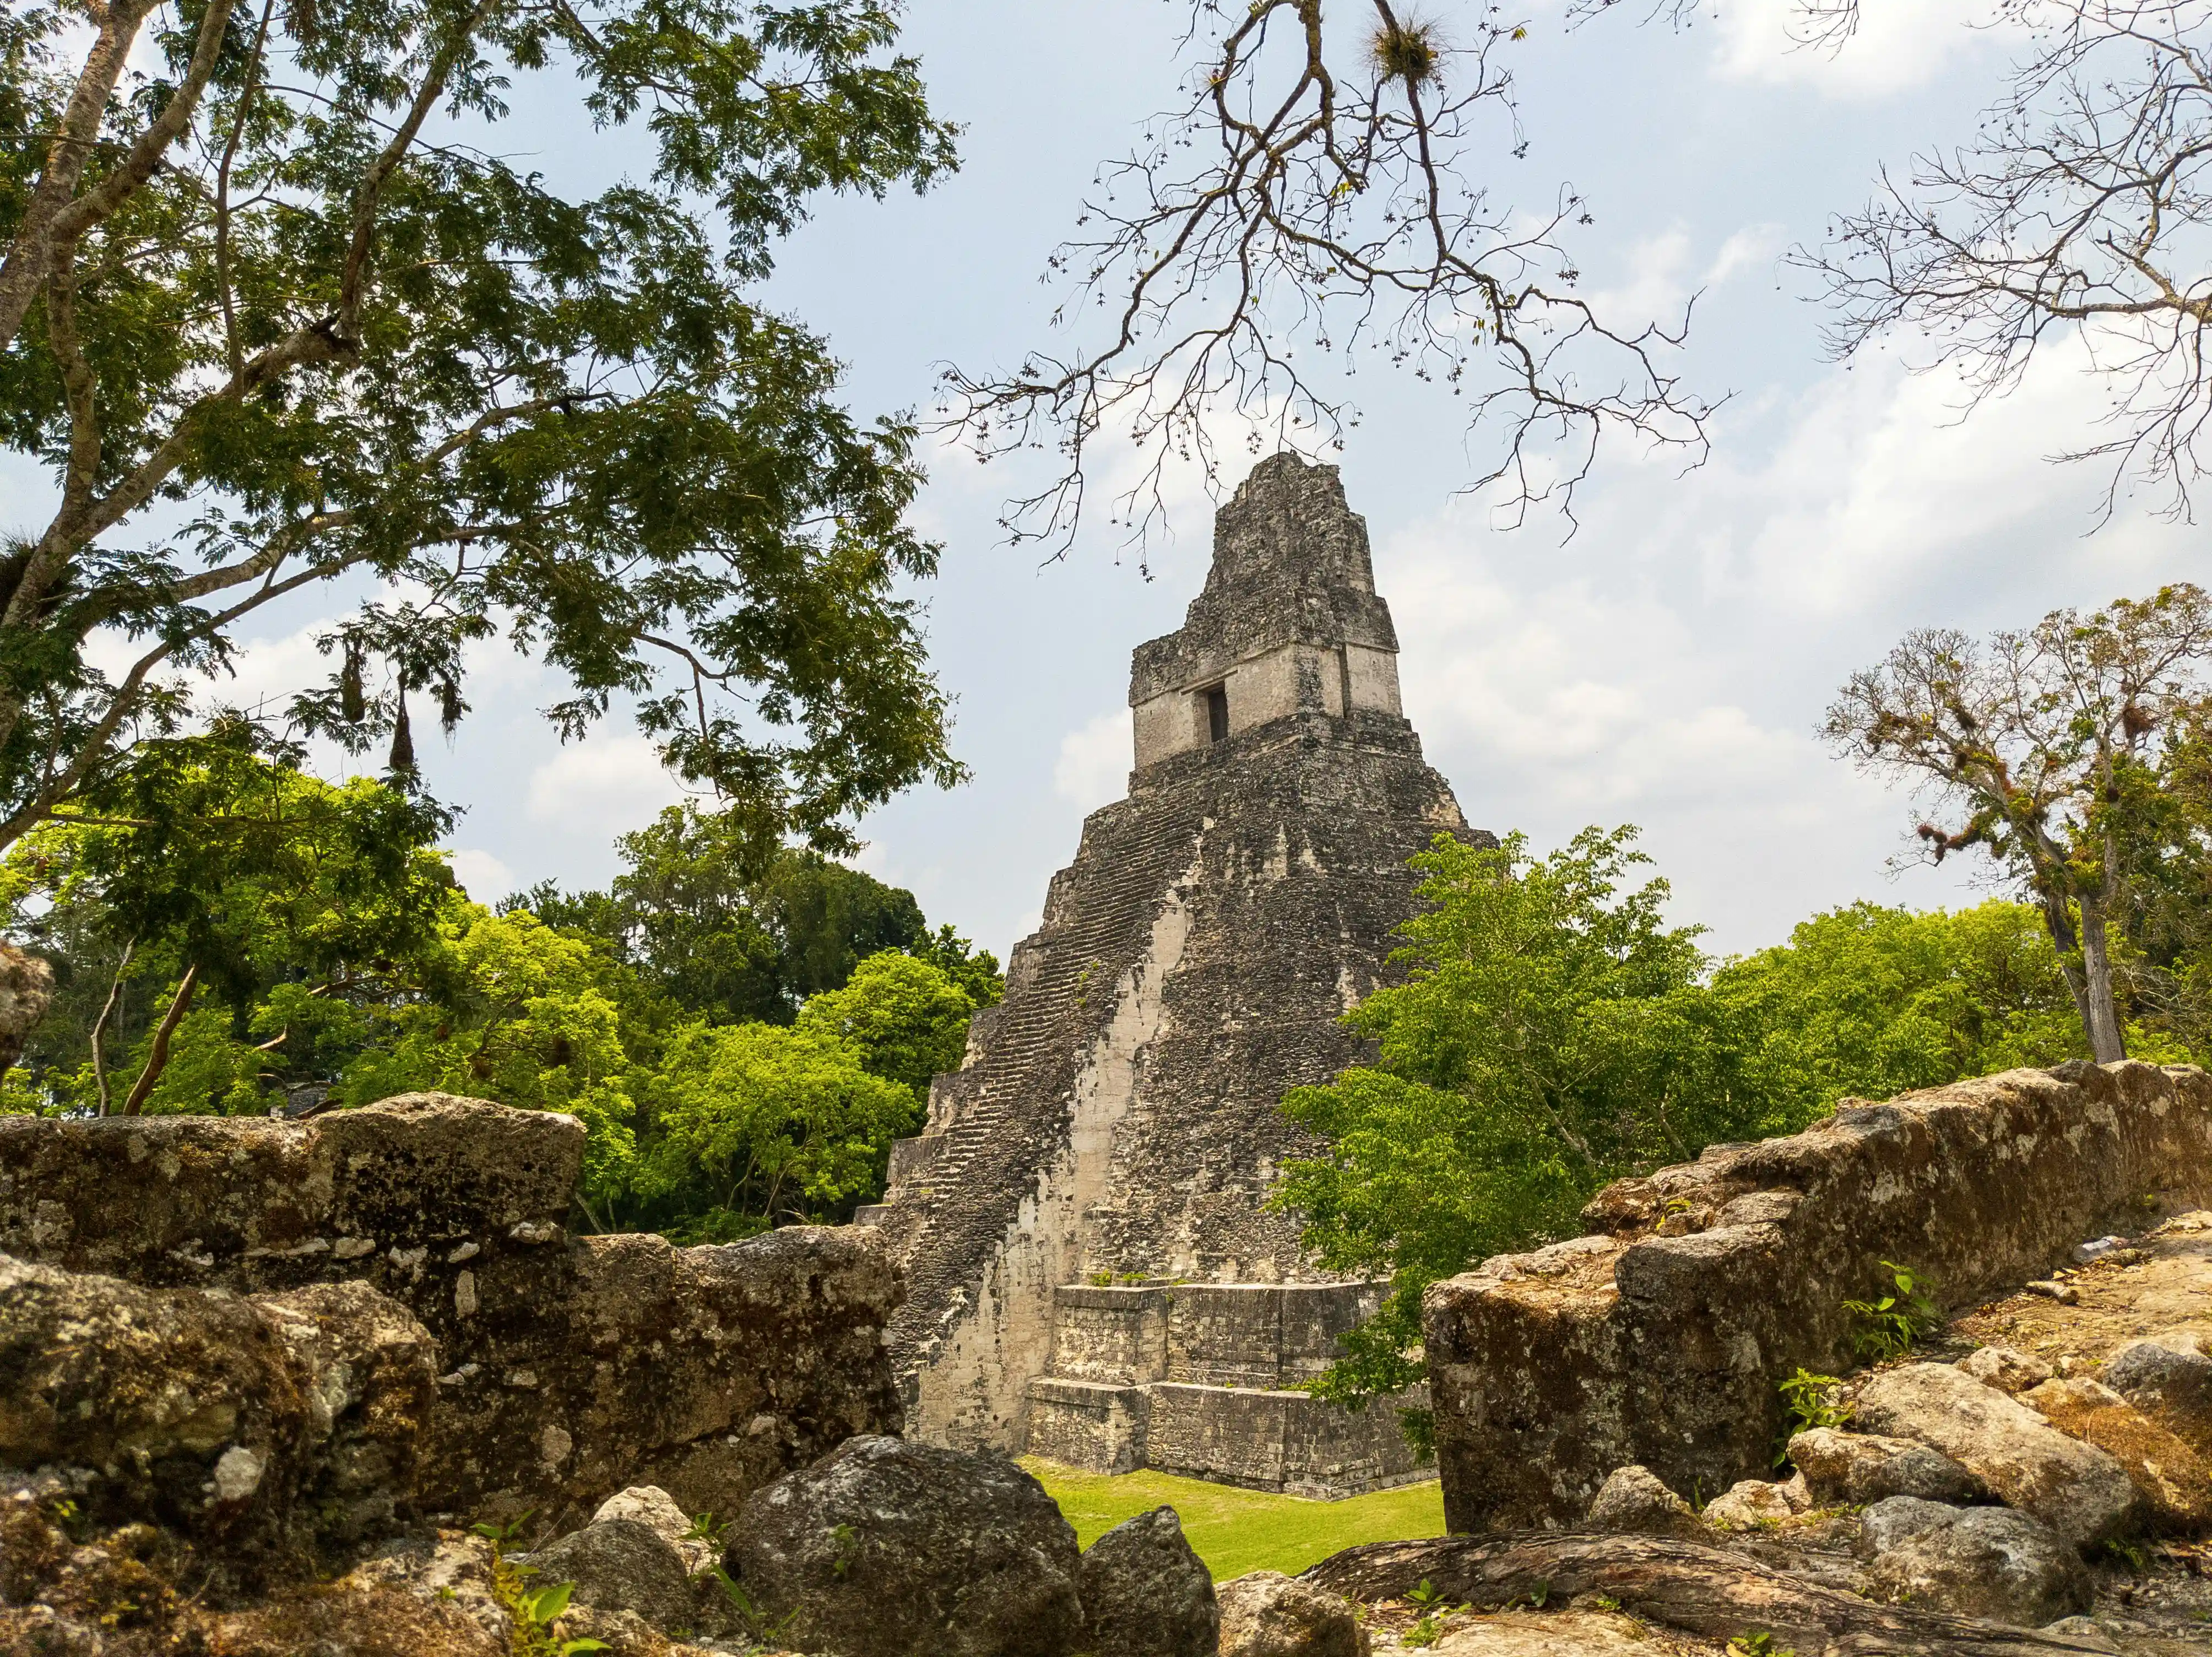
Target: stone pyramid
(1093, 1272)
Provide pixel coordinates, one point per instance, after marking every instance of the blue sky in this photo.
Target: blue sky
(1666, 665)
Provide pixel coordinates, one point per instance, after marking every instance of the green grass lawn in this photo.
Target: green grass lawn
(1239, 1531)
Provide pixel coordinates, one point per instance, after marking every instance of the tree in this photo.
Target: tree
(906, 1019)
(733, 930)
(214, 865)
(760, 1124)
(1534, 1052)
(2078, 212)
(2041, 749)
(281, 283)
(1316, 192)
(1872, 1001)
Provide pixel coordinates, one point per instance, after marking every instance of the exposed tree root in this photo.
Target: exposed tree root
(1684, 1584)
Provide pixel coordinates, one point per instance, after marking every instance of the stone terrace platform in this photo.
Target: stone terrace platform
(1206, 1380)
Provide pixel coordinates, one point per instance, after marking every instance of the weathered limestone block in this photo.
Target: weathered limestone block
(2079, 1490)
(1860, 1469)
(1660, 1338)
(887, 1549)
(260, 1427)
(2169, 1378)
(2006, 1370)
(1267, 1614)
(2168, 1474)
(1748, 1504)
(620, 1564)
(1976, 1562)
(1145, 1593)
(1275, 1440)
(1634, 1502)
(567, 1368)
(1095, 1425)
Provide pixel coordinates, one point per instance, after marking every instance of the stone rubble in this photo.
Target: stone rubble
(1977, 1561)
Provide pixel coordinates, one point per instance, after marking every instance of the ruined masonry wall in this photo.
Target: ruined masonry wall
(1660, 1337)
(567, 1367)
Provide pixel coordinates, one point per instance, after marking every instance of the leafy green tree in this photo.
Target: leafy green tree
(265, 265)
(1872, 1001)
(1531, 1055)
(759, 1124)
(215, 867)
(733, 932)
(905, 1018)
(2042, 749)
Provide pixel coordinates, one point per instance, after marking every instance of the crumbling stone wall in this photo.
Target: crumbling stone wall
(1660, 1337)
(1118, 1112)
(567, 1367)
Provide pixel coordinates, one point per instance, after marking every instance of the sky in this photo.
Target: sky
(1666, 664)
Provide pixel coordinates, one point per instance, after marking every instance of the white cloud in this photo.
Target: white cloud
(601, 786)
(1093, 768)
(1899, 45)
(482, 876)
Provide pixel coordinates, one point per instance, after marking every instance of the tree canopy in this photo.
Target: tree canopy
(266, 269)
(1553, 1033)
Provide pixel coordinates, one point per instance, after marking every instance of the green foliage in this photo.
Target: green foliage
(1889, 1324)
(1759, 1643)
(1553, 1033)
(907, 1019)
(533, 1614)
(731, 932)
(1809, 1401)
(759, 1124)
(1538, 1047)
(345, 353)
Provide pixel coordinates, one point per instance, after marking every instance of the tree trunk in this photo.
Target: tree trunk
(1702, 1590)
(100, 1024)
(2100, 1013)
(157, 1060)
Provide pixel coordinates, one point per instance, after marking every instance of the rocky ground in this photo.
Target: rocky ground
(2031, 1479)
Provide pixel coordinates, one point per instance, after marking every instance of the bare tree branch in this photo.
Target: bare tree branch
(1311, 200)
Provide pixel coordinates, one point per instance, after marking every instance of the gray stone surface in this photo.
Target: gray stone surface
(2169, 1378)
(1267, 1614)
(2077, 1490)
(1974, 1561)
(765, 1353)
(2006, 1370)
(1117, 1113)
(1660, 1337)
(651, 1506)
(1859, 1469)
(264, 1428)
(621, 1564)
(885, 1549)
(1634, 1500)
(1749, 1505)
(1145, 1593)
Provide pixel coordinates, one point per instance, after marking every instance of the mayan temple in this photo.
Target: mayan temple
(1093, 1272)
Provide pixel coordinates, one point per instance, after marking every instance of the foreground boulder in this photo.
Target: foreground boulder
(1635, 1502)
(2082, 1492)
(1975, 1561)
(2169, 1378)
(1659, 1339)
(1749, 1504)
(1145, 1593)
(617, 1565)
(1267, 1614)
(257, 1428)
(2166, 1473)
(885, 1548)
(1860, 1469)
(759, 1356)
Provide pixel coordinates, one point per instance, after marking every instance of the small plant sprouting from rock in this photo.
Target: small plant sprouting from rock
(757, 1626)
(1809, 1401)
(848, 1544)
(1889, 1325)
(1758, 1643)
(1425, 1597)
(533, 1614)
